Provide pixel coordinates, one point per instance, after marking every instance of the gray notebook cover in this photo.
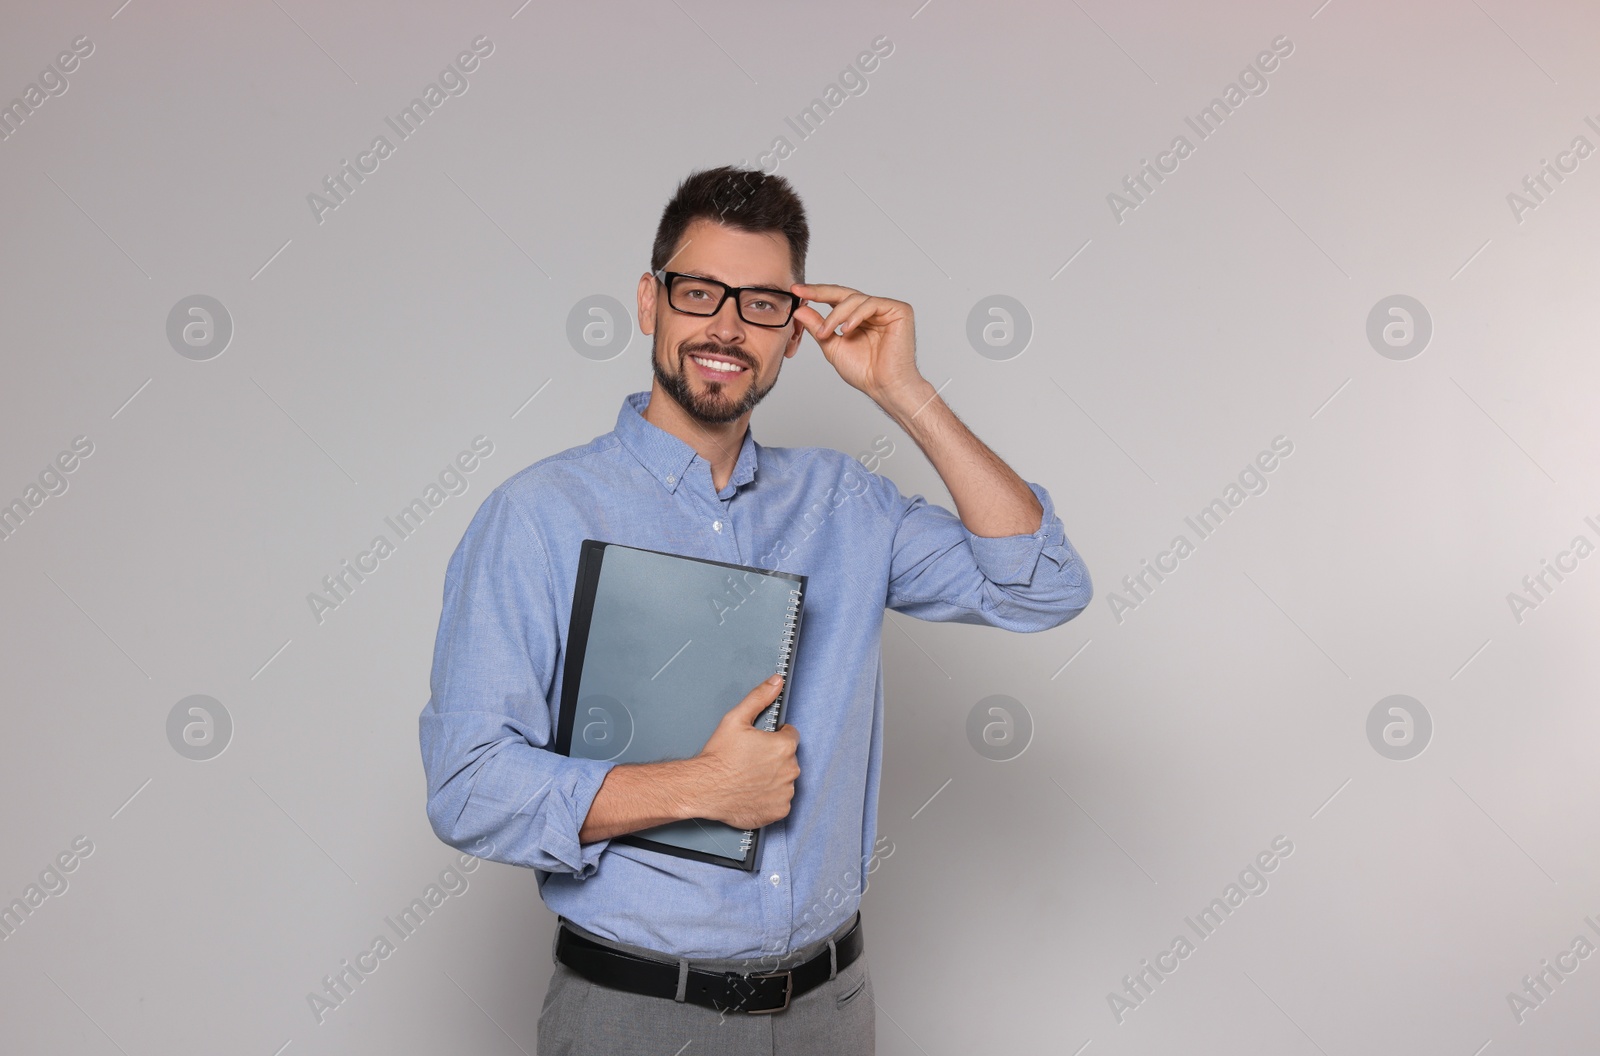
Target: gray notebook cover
(660, 647)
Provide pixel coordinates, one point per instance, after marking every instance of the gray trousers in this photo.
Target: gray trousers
(581, 1018)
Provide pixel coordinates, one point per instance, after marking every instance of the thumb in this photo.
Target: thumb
(814, 324)
(756, 701)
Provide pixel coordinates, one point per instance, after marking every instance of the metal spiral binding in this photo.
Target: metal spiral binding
(785, 657)
(786, 651)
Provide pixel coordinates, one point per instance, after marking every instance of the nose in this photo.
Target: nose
(726, 325)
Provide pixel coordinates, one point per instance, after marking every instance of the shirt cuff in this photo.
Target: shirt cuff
(564, 816)
(1007, 560)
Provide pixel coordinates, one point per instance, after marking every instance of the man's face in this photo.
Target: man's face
(738, 258)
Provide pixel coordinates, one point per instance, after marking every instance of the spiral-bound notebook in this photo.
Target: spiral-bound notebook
(659, 648)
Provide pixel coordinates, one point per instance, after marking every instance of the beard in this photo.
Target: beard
(713, 406)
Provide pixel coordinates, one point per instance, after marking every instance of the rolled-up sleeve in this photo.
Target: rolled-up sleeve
(495, 790)
(941, 571)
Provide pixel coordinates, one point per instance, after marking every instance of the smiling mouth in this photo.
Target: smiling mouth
(717, 368)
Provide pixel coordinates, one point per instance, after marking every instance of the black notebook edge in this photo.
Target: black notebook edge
(583, 591)
(590, 559)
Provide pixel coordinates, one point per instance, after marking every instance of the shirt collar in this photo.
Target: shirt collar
(666, 457)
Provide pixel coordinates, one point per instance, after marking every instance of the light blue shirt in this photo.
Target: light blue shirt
(496, 790)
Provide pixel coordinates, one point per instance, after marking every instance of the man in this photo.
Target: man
(656, 952)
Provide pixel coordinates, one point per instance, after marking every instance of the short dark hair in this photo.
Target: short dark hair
(746, 199)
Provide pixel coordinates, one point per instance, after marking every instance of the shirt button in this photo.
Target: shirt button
(670, 478)
(774, 879)
(717, 525)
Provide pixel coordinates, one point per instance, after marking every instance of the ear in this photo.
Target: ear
(792, 346)
(647, 303)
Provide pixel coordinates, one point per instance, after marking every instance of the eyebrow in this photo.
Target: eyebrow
(774, 287)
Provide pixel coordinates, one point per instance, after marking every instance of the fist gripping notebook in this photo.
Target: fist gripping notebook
(659, 648)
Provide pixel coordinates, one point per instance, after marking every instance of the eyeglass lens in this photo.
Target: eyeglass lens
(699, 297)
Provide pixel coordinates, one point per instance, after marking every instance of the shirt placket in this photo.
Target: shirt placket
(714, 513)
(777, 888)
(773, 878)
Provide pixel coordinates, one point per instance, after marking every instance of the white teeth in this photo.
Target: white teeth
(713, 364)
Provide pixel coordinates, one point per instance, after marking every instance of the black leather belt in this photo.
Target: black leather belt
(755, 992)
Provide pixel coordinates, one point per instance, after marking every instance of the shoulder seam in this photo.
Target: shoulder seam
(605, 442)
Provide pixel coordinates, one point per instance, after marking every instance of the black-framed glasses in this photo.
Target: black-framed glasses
(757, 305)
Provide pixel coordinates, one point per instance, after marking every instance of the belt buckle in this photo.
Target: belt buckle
(788, 989)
